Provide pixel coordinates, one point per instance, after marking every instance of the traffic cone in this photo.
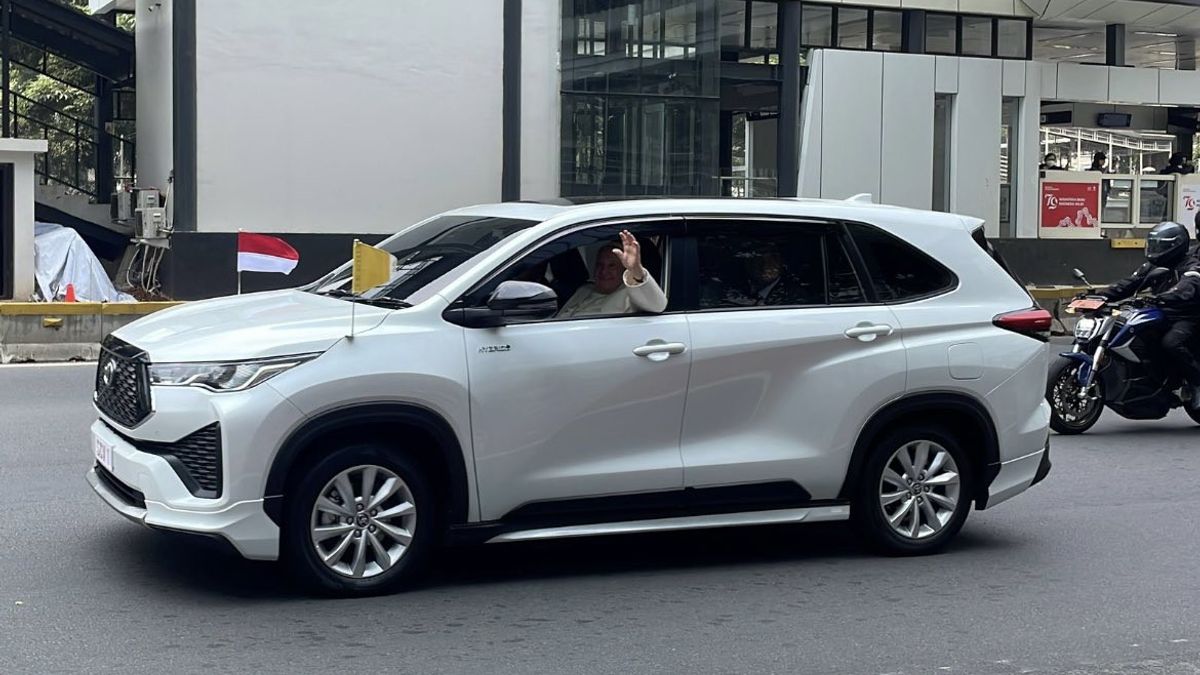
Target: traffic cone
(70, 293)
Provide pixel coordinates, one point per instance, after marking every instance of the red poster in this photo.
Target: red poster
(1070, 204)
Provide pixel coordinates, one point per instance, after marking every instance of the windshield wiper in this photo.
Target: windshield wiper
(382, 301)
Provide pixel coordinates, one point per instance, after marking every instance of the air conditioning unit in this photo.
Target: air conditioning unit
(150, 224)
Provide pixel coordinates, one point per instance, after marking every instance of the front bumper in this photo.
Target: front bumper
(146, 488)
(244, 525)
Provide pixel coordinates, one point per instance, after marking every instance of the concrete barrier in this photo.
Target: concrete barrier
(63, 331)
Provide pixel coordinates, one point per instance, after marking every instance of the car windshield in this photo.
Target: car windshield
(425, 252)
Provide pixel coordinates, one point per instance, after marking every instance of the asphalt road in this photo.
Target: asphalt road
(1093, 571)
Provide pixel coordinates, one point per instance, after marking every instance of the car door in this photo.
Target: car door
(582, 407)
(784, 372)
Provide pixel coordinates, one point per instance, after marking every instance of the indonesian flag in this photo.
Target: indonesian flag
(260, 253)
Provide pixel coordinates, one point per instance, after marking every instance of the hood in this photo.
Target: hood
(256, 325)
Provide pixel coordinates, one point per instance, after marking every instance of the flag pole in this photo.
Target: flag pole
(239, 267)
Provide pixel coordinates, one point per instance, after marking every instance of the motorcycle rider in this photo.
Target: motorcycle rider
(1177, 292)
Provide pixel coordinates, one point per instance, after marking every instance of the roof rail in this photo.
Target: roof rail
(861, 198)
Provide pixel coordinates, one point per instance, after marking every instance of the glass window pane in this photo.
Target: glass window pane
(816, 26)
(1075, 45)
(733, 24)
(1117, 196)
(1155, 196)
(852, 28)
(1011, 38)
(898, 271)
(888, 31)
(941, 33)
(977, 35)
(760, 265)
(764, 23)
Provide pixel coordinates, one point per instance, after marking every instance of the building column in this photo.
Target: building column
(1114, 44)
(788, 141)
(510, 173)
(102, 115)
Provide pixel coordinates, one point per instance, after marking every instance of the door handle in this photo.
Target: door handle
(658, 350)
(866, 331)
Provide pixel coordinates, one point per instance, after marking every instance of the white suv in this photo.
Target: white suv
(816, 361)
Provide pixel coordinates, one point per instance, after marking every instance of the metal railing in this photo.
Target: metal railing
(71, 160)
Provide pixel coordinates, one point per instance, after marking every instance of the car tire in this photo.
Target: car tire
(937, 498)
(375, 545)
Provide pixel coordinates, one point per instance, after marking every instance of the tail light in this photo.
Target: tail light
(1034, 322)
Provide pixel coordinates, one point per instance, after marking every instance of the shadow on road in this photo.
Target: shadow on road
(192, 566)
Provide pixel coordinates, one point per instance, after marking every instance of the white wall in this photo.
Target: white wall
(155, 139)
(20, 152)
(975, 142)
(541, 41)
(327, 117)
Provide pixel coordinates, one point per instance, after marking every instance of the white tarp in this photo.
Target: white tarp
(62, 257)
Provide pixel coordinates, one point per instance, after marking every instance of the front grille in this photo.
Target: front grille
(127, 494)
(122, 389)
(195, 457)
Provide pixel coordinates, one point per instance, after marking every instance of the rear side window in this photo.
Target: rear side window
(760, 265)
(899, 272)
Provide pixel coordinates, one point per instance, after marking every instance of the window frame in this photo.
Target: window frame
(865, 270)
(830, 230)
(676, 232)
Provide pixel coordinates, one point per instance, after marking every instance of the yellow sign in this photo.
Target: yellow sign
(1127, 243)
(370, 267)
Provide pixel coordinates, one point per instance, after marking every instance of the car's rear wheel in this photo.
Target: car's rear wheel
(360, 521)
(1071, 413)
(915, 491)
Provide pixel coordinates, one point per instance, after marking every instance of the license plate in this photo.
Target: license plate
(1086, 303)
(103, 452)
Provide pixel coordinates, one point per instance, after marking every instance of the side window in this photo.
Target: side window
(898, 271)
(760, 265)
(568, 264)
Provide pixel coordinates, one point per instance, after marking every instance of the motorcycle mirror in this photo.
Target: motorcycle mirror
(1078, 274)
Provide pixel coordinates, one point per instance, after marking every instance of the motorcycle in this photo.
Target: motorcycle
(1115, 362)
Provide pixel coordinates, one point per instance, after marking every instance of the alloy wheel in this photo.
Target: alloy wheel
(919, 490)
(363, 521)
(1072, 408)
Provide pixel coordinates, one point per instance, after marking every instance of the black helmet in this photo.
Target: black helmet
(1167, 244)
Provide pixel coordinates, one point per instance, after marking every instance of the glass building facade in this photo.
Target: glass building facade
(682, 97)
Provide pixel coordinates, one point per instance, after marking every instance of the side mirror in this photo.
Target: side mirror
(1078, 274)
(511, 302)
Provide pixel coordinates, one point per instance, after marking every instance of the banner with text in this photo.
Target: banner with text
(1067, 205)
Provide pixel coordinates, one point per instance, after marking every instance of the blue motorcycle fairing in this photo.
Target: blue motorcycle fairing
(1085, 361)
(1140, 318)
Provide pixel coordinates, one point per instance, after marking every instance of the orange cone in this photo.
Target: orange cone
(70, 293)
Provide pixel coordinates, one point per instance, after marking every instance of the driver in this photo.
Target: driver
(1178, 293)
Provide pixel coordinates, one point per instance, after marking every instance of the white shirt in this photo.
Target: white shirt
(631, 297)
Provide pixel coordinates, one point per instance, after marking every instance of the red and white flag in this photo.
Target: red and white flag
(261, 253)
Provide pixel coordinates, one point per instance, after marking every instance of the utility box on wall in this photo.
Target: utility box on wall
(16, 216)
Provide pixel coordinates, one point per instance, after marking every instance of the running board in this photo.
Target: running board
(815, 514)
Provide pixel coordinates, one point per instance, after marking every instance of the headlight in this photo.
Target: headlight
(1084, 328)
(231, 376)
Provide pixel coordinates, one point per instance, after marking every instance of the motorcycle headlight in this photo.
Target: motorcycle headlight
(1085, 328)
(231, 376)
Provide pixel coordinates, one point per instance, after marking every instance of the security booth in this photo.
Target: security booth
(17, 163)
(1094, 205)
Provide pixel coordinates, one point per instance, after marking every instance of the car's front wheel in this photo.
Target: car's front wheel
(360, 521)
(915, 491)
